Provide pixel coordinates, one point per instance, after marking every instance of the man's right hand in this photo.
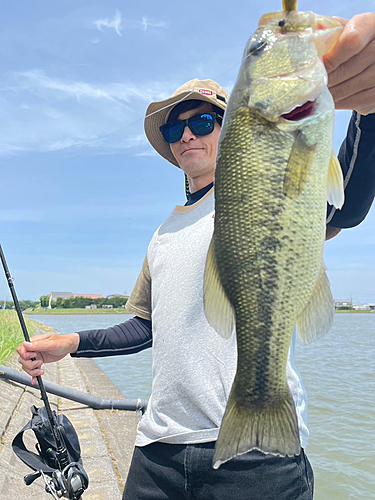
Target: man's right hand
(45, 349)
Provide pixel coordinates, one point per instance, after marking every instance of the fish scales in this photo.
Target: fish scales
(265, 257)
(262, 291)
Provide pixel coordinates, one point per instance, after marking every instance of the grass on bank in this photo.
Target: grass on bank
(354, 311)
(11, 333)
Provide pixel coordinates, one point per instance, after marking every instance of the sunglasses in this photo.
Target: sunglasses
(200, 124)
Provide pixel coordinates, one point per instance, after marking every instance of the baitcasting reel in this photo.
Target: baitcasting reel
(69, 483)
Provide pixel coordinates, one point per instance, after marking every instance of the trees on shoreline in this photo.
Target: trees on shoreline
(24, 304)
(82, 302)
(71, 303)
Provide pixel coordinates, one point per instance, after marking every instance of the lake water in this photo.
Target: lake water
(339, 375)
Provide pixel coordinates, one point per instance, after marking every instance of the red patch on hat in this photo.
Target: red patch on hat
(205, 92)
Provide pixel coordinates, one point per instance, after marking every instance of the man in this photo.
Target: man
(193, 367)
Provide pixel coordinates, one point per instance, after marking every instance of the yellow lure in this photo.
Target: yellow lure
(289, 5)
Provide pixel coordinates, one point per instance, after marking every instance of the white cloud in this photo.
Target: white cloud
(38, 83)
(149, 152)
(118, 24)
(156, 24)
(36, 80)
(46, 113)
(114, 23)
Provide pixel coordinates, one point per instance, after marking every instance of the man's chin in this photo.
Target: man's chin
(193, 166)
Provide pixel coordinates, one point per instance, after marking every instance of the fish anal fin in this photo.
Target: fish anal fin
(299, 164)
(317, 317)
(271, 429)
(335, 185)
(219, 311)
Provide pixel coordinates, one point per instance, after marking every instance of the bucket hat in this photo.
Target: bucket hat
(157, 113)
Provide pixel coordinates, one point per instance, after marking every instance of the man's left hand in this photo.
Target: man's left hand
(351, 65)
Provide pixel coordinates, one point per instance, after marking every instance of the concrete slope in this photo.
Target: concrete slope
(106, 436)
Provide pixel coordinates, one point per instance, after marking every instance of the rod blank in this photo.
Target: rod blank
(77, 396)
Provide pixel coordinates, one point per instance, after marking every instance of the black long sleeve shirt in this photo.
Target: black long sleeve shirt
(357, 159)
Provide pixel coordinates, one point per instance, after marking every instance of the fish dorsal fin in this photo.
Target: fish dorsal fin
(335, 189)
(299, 165)
(218, 309)
(317, 317)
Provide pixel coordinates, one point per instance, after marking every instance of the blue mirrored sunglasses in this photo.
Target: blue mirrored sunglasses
(200, 124)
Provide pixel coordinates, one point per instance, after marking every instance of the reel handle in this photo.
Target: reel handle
(30, 478)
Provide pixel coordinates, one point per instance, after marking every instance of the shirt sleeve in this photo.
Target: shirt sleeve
(129, 337)
(139, 302)
(357, 159)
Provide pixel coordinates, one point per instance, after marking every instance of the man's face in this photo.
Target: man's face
(196, 155)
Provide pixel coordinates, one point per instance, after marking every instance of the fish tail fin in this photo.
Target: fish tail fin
(273, 429)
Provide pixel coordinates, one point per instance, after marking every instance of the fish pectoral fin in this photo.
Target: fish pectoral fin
(317, 317)
(335, 190)
(299, 165)
(219, 311)
(271, 428)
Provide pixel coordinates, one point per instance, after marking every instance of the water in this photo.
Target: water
(339, 375)
(131, 373)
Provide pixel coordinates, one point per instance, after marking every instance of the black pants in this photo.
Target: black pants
(162, 471)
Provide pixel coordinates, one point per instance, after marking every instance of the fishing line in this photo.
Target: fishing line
(83, 143)
(115, 131)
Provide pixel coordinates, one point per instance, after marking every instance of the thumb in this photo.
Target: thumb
(39, 343)
(336, 55)
(342, 20)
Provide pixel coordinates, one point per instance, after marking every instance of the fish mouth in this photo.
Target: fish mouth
(300, 112)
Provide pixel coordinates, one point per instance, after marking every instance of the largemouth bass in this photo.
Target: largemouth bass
(265, 273)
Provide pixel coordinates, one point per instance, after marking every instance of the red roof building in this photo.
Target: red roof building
(88, 295)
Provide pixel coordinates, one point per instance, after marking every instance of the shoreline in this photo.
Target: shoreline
(106, 436)
(355, 312)
(122, 311)
(76, 311)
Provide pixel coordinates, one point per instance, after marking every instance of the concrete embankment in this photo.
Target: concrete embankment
(106, 436)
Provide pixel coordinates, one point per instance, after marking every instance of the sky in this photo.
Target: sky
(81, 190)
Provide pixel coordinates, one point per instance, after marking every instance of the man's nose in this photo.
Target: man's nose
(187, 135)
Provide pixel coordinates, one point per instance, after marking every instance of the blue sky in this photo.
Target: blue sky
(81, 190)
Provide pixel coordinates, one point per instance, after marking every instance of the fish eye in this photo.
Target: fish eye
(256, 47)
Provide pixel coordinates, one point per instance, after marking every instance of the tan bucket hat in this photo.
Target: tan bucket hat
(157, 113)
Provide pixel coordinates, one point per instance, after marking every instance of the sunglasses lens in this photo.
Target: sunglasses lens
(202, 124)
(199, 124)
(172, 131)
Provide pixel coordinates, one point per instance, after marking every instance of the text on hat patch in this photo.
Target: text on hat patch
(205, 92)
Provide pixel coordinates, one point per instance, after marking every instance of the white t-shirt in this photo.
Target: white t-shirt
(193, 366)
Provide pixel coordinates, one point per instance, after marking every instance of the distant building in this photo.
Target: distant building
(118, 295)
(93, 306)
(53, 296)
(88, 295)
(361, 307)
(343, 303)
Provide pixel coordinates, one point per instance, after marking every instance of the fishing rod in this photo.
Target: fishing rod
(70, 480)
